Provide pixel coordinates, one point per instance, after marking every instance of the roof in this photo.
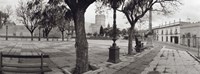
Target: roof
(171, 25)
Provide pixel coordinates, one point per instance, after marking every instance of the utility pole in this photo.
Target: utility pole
(150, 36)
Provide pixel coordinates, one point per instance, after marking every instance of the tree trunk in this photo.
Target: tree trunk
(62, 35)
(47, 37)
(39, 34)
(47, 33)
(31, 36)
(130, 41)
(81, 43)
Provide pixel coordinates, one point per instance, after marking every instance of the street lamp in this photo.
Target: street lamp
(114, 49)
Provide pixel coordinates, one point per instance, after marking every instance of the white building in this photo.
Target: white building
(169, 32)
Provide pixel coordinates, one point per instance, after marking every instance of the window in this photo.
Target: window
(162, 32)
(157, 37)
(171, 32)
(166, 32)
(176, 32)
(166, 38)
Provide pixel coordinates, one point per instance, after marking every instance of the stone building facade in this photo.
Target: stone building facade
(169, 32)
(99, 21)
(15, 30)
(190, 33)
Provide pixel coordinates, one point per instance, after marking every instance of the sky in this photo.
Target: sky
(188, 12)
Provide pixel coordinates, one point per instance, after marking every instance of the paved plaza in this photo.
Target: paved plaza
(62, 54)
(170, 61)
(158, 60)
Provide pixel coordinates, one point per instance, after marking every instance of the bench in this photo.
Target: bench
(24, 67)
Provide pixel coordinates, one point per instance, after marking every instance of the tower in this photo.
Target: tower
(99, 21)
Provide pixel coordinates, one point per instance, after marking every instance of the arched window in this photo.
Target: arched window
(188, 35)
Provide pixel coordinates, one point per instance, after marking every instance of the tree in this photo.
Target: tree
(78, 8)
(3, 18)
(134, 10)
(30, 14)
(8, 12)
(124, 32)
(106, 31)
(101, 32)
(110, 32)
(4, 15)
(64, 18)
(51, 15)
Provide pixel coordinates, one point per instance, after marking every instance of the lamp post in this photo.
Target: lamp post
(114, 49)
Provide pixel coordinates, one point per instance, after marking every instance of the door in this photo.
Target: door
(171, 39)
(176, 40)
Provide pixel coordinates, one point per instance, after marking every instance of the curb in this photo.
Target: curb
(193, 56)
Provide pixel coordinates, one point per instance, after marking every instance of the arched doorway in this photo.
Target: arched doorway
(183, 40)
(194, 40)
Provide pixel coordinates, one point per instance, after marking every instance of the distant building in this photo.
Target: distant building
(87, 27)
(99, 21)
(14, 30)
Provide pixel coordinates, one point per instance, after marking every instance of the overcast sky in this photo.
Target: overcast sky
(189, 11)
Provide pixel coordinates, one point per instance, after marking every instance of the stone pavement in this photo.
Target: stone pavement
(62, 57)
(62, 54)
(155, 61)
(140, 63)
(133, 64)
(171, 61)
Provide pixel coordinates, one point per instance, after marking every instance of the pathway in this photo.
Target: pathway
(171, 61)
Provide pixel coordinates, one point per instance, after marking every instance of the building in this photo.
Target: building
(99, 21)
(15, 30)
(190, 34)
(169, 32)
